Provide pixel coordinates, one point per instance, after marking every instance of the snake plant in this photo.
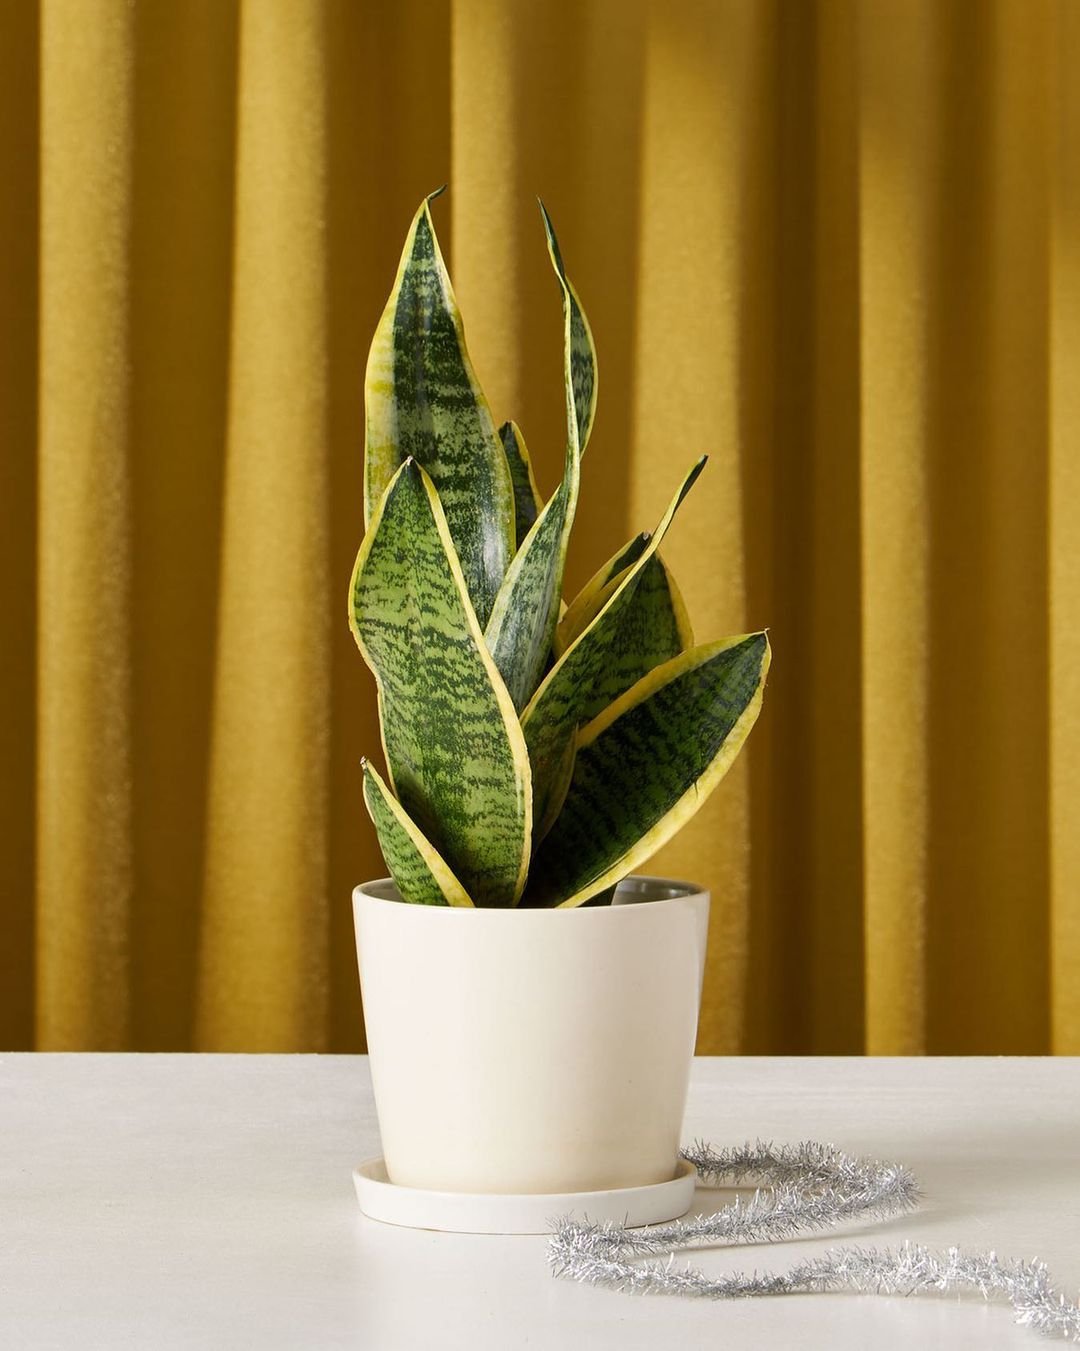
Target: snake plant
(536, 753)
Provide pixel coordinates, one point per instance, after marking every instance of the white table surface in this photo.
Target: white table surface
(206, 1201)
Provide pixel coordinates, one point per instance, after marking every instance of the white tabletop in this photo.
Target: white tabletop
(206, 1201)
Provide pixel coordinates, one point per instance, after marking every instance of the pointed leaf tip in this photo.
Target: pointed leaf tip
(422, 398)
(553, 244)
(579, 352)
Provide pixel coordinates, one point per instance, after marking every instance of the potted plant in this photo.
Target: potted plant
(531, 1009)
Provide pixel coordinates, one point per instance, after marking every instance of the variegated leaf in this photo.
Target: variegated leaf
(653, 628)
(454, 747)
(568, 693)
(422, 877)
(557, 790)
(584, 607)
(422, 399)
(521, 629)
(647, 764)
(579, 351)
(527, 499)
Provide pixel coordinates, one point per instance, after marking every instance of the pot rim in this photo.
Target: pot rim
(678, 891)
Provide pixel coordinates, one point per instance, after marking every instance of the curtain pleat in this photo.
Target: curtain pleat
(263, 938)
(824, 584)
(19, 221)
(833, 244)
(986, 912)
(899, 176)
(84, 734)
(1064, 557)
(181, 269)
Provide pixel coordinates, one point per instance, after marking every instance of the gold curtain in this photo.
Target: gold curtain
(834, 243)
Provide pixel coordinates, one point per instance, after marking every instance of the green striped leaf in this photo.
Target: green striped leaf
(557, 790)
(422, 399)
(586, 604)
(653, 627)
(646, 765)
(569, 692)
(527, 499)
(422, 877)
(454, 748)
(521, 629)
(522, 626)
(579, 353)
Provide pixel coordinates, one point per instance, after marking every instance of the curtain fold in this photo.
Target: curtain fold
(833, 243)
(84, 574)
(899, 180)
(19, 220)
(262, 951)
(1064, 512)
(181, 263)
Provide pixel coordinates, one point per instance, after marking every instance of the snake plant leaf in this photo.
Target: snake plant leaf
(557, 790)
(422, 877)
(422, 399)
(527, 499)
(656, 628)
(568, 695)
(523, 620)
(646, 765)
(521, 629)
(679, 611)
(653, 628)
(586, 604)
(579, 351)
(454, 748)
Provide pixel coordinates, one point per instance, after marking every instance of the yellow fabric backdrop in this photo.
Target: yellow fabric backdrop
(835, 244)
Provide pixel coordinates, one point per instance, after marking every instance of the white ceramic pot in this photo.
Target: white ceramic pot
(529, 1051)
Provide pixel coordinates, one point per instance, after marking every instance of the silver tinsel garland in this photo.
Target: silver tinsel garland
(802, 1189)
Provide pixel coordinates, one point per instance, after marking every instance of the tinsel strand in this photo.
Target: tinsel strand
(803, 1188)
